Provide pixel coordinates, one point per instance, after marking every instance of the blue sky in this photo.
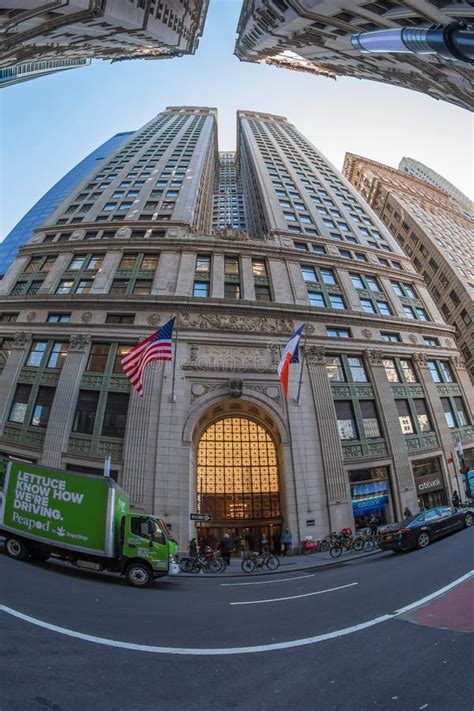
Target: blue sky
(48, 125)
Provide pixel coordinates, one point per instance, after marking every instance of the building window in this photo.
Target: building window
(57, 355)
(98, 356)
(357, 369)
(391, 337)
(424, 422)
(86, 409)
(338, 332)
(115, 415)
(59, 318)
(408, 372)
(20, 404)
(448, 412)
(42, 407)
(38, 349)
(391, 370)
(201, 289)
(430, 341)
(120, 318)
(460, 412)
(370, 419)
(345, 420)
(334, 370)
(404, 417)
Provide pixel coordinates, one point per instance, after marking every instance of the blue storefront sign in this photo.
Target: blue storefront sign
(362, 506)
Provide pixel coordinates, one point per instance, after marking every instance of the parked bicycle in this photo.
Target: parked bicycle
(209, 562)
(258, 561)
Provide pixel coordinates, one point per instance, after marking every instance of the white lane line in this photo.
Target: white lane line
(230, 650)
(293, 597)
(267, 582)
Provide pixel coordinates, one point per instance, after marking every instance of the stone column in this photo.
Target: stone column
(65, 398)
(141, 435)
(392, 298)
(351, 295)
(184, 285)
(10, 278)
(105, 275)
(402, 478)
(167, 274)
(11, 371)
(280, 282)
(337, 484)
(458, 367)
(217, 276)
(246, 278)
(298, 284)
(53, 277)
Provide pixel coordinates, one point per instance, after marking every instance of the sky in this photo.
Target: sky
(48, 125)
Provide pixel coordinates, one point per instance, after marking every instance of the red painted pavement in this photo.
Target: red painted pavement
(452, 611)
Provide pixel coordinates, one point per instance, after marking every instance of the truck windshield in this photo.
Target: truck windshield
(166, 530)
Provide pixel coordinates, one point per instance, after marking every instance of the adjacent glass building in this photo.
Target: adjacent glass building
(154, 232)
(35, 217)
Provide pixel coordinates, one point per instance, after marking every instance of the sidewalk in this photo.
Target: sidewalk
(292, 564)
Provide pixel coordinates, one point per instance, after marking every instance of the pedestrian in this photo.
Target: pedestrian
(286, 542)
(455, 500)
(193, 549)
(407, 513)
(373, 524)
(276, 538)
(265, 545)
(226, 546)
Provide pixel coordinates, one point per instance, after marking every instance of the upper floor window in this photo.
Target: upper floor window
(440, 371)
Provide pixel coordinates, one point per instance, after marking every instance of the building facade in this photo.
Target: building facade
(104, 29)
(383, 397)
(314, 36)
(23, 231)
(19, 73)
(421, 171)
(433, 231)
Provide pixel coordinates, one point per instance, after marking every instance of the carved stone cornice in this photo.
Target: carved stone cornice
(78, 343)
(21, 339)
(315, 355)
(457, 362)
(420, 358)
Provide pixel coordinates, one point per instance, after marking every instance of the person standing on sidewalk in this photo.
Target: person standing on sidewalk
(286, 542)
(455, 500)
(373, 524)
(226, 546)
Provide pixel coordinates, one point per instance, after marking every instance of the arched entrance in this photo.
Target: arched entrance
(238, 483)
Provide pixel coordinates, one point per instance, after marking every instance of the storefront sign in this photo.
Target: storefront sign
(310, 522)
(431, 482)
(361, 506)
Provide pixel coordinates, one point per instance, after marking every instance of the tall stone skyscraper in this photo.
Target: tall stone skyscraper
(434, 231)
(314, 36)
(423, 172)
(244, 248)
(104, 29)
(23, 231)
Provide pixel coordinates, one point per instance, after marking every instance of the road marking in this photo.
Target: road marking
(267, 582)
(230, 650)
(293, 597)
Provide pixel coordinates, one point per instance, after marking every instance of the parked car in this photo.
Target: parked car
(418, 531)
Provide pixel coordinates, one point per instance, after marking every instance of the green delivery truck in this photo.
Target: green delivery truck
(84, 520)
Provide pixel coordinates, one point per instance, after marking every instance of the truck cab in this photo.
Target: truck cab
(148, 549)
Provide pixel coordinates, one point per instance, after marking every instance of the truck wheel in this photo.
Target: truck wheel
(15, 548)
(139, 575)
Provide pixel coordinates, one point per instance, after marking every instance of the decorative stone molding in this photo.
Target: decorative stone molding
(449, 342)
(236, 386)
(31, 316)
(270, 391)
(242, 359)
(413, 338)
(274, 349)
(21, 339)
(458, 363)
(200, 389)
(78, 343)
(86, 317)
(315, 355)
(154, 320)
(374, 357)
(366, 333)
(420, 358)
(250, 324)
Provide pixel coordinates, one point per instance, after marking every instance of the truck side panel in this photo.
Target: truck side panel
(58, 508)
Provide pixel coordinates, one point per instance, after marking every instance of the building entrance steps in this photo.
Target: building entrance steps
(290, 564)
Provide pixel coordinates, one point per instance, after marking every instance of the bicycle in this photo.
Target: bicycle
(254, 561)
(209, 562)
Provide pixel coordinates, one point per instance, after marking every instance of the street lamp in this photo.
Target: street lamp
(453, 41)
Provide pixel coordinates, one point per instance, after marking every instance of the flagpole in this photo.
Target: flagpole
(297, 399)
(172, 397)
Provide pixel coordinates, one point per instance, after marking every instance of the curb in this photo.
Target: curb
(280, 571)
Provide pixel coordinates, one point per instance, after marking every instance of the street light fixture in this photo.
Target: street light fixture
(453, 41)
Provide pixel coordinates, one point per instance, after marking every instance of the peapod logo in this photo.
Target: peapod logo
(428, 484)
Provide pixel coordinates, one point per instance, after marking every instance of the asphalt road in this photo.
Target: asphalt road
(235, 643)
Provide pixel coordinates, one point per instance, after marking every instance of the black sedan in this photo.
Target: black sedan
(418, 531)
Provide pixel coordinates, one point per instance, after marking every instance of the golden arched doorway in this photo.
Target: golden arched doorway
(238, 481)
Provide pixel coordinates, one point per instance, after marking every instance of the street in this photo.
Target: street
(329, 639)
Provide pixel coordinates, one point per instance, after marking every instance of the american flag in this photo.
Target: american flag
(155, 347)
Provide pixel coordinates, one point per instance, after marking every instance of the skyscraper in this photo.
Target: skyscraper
(383, 396)
(109, 29)
(423, 172)
(433, 230)
(314, 36)
(19, 73)
(35, 217)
